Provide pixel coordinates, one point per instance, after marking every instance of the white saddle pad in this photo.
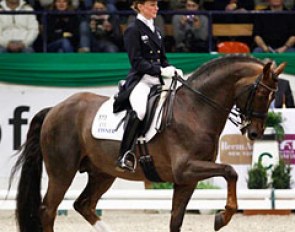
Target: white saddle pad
(105, 123)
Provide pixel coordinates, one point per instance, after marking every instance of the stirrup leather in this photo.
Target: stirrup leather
(126, 164)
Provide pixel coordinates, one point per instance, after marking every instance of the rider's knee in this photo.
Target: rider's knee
(140, 114)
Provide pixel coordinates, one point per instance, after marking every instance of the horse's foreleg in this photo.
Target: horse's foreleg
(181, 197)
(231, 207)
(199, 170)
(98, 184)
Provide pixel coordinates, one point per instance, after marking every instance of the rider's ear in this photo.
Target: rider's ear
(280, 68)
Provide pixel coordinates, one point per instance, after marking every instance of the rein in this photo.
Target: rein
(236, 112)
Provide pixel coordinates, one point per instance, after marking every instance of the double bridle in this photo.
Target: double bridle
(240, 117)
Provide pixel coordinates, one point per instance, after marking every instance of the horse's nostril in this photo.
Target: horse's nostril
(253, 135)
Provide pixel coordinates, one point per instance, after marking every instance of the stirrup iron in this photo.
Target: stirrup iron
(126, 164)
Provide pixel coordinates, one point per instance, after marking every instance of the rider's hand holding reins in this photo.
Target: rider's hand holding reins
(170, 72)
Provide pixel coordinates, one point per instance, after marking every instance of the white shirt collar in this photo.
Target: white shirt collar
(148, 22)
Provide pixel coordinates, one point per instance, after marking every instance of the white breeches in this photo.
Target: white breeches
(139, 95)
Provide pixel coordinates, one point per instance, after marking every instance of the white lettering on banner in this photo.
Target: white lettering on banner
(226, 146)
(18, 105)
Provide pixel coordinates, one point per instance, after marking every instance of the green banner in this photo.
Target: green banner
(95, 69)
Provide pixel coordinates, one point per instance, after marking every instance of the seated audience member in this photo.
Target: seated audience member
(17, 32)
(229, 5)
(237, 6)
(234, 5)
(110, 5)
(63, 29)
(284, 97)
(274, 32)
(47, 4)
(190, 31)
(105, 33)
(263, 4)
(177, 4)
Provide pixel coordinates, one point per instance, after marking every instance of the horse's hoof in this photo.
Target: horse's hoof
(219, 221)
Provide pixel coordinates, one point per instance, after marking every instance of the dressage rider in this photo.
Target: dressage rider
(144, 44)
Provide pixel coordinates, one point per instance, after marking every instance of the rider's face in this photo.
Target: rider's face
(149, 9)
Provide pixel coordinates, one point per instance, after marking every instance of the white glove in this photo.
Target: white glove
(179, 72)
(168, 72)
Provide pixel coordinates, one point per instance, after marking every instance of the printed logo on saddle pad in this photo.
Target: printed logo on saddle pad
(106, 124)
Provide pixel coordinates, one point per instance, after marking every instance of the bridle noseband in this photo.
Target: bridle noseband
(241, 117)
(248, 112)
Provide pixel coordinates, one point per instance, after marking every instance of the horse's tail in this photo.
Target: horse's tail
(28, 199)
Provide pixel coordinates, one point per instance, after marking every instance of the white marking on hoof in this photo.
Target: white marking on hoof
(100, 226)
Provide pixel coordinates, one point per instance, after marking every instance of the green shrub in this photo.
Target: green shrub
(167, 185)
(281, 178)
(275, 120)
(206, 185)
(257, 177)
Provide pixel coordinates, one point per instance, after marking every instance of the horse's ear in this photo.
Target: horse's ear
(267, 67)
(280, 68)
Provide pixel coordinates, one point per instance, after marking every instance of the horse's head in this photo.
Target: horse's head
(255, 104)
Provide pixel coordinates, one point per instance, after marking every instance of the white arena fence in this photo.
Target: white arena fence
(162, 199)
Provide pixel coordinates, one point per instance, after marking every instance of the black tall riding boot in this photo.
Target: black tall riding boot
(127, 158)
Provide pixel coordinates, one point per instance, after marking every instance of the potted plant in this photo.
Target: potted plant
(273, 126)
(281, 177)
(257, 177)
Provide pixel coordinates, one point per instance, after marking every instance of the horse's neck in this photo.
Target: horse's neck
(213, 113)
(194, 111)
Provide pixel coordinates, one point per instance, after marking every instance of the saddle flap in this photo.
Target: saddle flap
(105, 123)
(153, 101)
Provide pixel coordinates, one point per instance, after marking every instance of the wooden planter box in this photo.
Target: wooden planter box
(250, 212)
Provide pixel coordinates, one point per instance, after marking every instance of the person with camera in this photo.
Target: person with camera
(149, 66)
(105, 33)
(191, 31)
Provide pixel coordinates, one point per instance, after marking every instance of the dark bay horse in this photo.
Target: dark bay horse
(184, 153)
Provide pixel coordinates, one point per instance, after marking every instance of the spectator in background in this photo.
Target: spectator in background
(47, 4)
(177, 4)
(105, 33)
(110, 5)
(191, 31)
(17, 32)
(63, 29)
(263, 4)
(228, 5)
(284, 97)
(234, 5)
(231, 6)
(274, 32)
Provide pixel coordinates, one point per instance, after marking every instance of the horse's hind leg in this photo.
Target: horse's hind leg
(181, 197)
(57, 187)
(98, 184)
